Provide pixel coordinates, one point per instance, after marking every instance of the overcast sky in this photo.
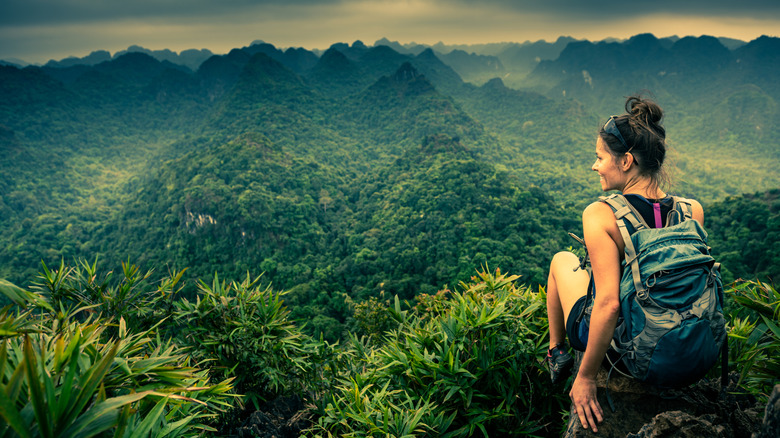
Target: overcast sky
(38, 30)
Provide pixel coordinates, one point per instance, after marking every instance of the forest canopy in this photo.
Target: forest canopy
(367, 170)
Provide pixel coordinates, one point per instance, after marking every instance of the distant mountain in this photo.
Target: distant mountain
(371, 189)
(758, 62)
(336, 74)
(410, 109)
(718, 100)
(408, 49)
(406, 82)
(298, 60)
(473, 67)
(344, 70)
(731, 43)
(481, 62)
(220, 73)
(688, 68)
(521, 58)
(13, 62)
(93, 58)
(514, 61)
(191, 58)
(361, 169)
(355, 51)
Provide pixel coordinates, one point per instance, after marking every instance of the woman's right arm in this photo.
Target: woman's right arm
(599, 228)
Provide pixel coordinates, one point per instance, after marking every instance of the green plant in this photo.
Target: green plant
(371, 316)
(72, 383)
(22, 298)
(63, 375)
(54, 395)
(14, 323)
(365, 409)
(130, 296)
(754, 336)
(473, 366)
(245, 332)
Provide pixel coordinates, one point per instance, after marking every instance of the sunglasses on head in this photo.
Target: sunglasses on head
(611, 128)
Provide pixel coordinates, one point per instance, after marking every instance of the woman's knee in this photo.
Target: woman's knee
(564, 259)
(571, 282)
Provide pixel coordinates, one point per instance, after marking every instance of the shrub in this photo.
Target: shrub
(245, 332)
(754, 336)
(130, 296)
(472, 366)
(371, 317)
(63, 377)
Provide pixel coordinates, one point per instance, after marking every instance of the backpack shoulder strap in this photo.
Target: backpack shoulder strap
(624, 212)
(682, 210)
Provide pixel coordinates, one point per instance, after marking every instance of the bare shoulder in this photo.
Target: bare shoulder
(697, 211)
(598, 222)
(598, 212)
(696, 205)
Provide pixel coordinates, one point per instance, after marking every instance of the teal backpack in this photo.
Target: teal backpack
(671, 328)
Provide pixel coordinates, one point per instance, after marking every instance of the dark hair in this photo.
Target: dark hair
(644, 135)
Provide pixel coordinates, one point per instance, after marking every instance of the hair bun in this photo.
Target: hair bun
(644, 111)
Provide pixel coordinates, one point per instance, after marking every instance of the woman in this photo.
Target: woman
(630, 152)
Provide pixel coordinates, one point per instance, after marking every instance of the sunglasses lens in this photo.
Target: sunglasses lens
(611, 128)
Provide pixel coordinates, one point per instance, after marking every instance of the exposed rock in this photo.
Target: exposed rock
(679, 424)
(702, 410)
(770, 428)
(283, 417)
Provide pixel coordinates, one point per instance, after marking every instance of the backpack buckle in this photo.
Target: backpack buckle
(686, 315)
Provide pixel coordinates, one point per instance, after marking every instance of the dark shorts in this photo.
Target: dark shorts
(577, 332)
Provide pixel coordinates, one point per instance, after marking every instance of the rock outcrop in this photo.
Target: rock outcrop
(702, 410)
(770, 428)
(283, 417)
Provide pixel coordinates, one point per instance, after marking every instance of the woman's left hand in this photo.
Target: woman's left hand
(583, 395)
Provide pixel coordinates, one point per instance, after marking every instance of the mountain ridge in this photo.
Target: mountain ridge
(357, 174)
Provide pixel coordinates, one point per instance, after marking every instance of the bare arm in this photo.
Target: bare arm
(600, 232)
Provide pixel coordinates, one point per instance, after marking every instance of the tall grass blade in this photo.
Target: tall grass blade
(36, 391)
(153, 417)
(101, 417)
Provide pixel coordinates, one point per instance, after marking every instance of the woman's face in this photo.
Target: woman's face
(612, 177)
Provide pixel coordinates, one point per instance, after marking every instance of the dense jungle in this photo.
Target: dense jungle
(364, 230)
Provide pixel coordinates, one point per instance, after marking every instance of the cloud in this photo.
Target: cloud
(37, 29)
(37, 12)
(609, 9)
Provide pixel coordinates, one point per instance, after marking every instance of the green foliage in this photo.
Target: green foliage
(130, 296)
(367, 410)
(372, 316)
(63, 375)
(745, 234)
(464, 362)
(244, 330)
(374, 171)
(59, 387)
(21, 297)
(754, 337)
(472, 366)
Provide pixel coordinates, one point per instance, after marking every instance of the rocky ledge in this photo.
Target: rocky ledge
(703, 410)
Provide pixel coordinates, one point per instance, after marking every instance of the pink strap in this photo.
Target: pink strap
(657, 211)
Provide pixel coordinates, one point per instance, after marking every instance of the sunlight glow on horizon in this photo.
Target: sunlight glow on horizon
(414, 22)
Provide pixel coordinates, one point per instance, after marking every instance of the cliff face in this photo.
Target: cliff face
(702, 410)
